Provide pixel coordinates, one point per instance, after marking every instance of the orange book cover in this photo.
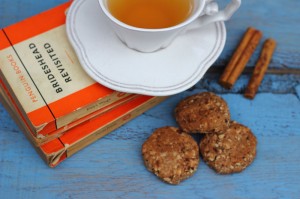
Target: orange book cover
(42, 73)
(75, 139)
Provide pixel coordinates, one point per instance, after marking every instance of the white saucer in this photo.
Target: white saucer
(169, 71)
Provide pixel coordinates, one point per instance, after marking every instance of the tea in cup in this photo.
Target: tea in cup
(151, 14)
(151, 25)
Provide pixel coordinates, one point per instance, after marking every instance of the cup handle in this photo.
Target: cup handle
(222, 15)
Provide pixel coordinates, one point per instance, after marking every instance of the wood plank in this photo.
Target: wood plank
(13, 11)
(113, 167)
(271, 84)
(275, 19)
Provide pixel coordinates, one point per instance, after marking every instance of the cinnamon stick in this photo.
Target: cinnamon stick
(260, 68)
(240, 57)
(236, 56)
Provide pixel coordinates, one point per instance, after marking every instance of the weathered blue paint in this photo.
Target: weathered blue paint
(113, 168)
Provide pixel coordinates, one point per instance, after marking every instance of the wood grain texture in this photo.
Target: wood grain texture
(275, 19)
(113, 168)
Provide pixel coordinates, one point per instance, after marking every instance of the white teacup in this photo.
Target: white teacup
(151, 40)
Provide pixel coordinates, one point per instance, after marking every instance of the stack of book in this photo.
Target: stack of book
(55, 103)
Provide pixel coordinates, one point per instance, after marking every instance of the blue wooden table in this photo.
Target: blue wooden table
(113, 167)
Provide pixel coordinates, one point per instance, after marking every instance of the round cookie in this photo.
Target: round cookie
(204, 113)
(231, 151)
(171, 154)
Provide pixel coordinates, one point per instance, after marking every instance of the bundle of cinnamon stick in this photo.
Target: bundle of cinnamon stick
(241, 57)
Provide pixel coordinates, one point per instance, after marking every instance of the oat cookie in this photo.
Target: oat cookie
(171, 155)
(204, 113)
(231, 151)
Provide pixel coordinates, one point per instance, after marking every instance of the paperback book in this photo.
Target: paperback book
(54, 102)
(40, 71)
